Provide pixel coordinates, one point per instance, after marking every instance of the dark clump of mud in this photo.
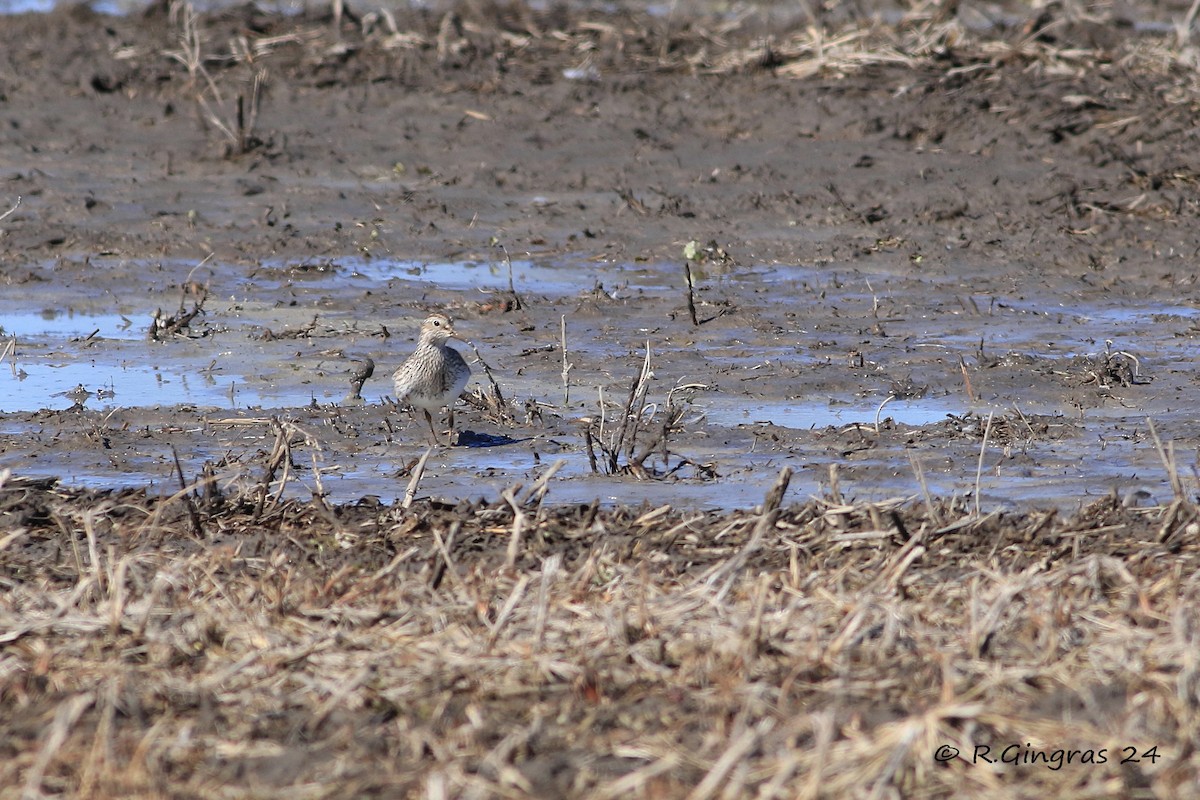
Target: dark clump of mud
(932, 279)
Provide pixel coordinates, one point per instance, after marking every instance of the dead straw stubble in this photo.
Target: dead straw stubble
(817, 650)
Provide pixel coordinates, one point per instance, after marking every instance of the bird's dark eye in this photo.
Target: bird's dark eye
(437, 323)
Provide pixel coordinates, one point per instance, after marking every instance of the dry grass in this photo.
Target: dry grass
(819, 650)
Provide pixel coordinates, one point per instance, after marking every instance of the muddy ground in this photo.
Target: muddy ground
(945, 265)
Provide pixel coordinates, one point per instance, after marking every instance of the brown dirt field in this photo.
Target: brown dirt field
(943, 280)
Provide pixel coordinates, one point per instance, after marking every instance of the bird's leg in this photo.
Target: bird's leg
(450, 433)
(432, 429)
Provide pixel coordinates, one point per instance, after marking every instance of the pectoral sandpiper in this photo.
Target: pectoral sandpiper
(434, 376)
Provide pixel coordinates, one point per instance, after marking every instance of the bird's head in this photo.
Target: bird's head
(437, 328)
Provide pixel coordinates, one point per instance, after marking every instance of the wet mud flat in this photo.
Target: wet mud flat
(875, 382)
(893, 496)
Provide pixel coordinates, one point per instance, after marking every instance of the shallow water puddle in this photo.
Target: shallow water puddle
(46, 6)
(36, 385)
(71, 325)
(490, 276)
(805, 415)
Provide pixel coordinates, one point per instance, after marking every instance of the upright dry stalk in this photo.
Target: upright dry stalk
(766, 523)
(634, 408)
(497, 402)
(537, 492)
(518, 527)
(979, 466)
(691, 293)
(919, 472)
(1167, 456)
(962, 365)
(15, 206)
(512, 288)
(879, 411)
(193, 514)
(599, 389)
(9, 349)
(566, 365)
(1183, 29)
(550, 569)
(415, 481)
(280, 455)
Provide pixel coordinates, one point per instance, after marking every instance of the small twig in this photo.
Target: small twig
(10, 349)
(979, 467)
(512, 289)
(591, 449)
(277, 456)
(691, 290)
(518, 527)
(566, 365)
(636, 406)
(962, 365)
(246, 127)
(879, 410)
(1024, 419)
(418, 472)
(506, 610)
(919, 471)
(600, 390)
(550, 569)
(835, 490)
(540, 486)
(15, 206)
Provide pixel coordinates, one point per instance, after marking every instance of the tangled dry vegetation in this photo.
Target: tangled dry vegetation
(203, 645)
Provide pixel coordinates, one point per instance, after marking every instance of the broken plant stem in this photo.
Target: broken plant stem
(193, 514)
(500, 403)
(418, 472)
(566, 365)
(691, 292)
(919, 472)
(512, 289)
(537, 492)
(518, 527)
(879, 410)
(10, 350)
(15, 206)
(638, 405)
(962, 365)
(979, 467)
(1167, 456)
